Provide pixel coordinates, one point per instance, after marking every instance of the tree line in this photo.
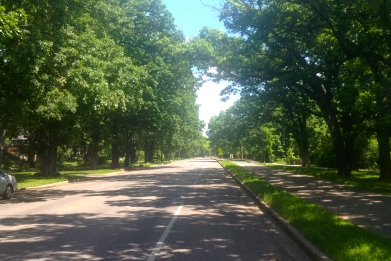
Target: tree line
(92, 78)
(296, 62)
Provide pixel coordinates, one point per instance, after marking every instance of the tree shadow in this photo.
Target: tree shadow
(214, 221)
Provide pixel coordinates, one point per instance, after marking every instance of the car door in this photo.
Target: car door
(3, 182)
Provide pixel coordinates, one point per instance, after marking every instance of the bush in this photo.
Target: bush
(324, 156)
(369, 155)
(8, 164)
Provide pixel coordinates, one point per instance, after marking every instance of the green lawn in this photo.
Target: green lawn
(337, 238)
(70, 171)
(29, 179)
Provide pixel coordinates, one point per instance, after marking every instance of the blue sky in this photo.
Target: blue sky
(190, 17)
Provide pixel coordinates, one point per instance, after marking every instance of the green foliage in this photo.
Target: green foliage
(94, 76)
(220, 152)
(295, 60)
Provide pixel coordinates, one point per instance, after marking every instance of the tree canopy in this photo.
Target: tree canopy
(91, 75)
(326, 58)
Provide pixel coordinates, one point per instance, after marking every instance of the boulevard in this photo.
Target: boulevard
(187, 210)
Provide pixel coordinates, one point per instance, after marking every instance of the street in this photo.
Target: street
(187, 210)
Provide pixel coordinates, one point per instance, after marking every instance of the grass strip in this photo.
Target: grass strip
(339, 239)
(29, 179)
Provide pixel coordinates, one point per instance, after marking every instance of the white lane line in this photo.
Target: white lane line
(169, 227)
(195, 182)
(165, 234)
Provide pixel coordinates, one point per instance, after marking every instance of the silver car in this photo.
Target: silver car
(8, 185)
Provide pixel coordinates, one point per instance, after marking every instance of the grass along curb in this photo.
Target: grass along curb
(339, 239)
(27, 180)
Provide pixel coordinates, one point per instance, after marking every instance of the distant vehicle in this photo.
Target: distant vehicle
(8, 185)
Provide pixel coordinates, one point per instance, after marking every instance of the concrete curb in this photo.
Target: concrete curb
(311, 250)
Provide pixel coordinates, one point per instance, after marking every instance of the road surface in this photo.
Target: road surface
(189, 210)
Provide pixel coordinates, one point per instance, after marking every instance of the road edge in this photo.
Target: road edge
(310, 249)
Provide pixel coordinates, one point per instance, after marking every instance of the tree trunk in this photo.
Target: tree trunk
(130, 151)
(93, 155)
(41, 150)
(341, 157)
(128, 145)
(241, 150)
(382, 112)
(93, 149)
(52, 152)
(146, 152)
(115, 154)
(149, 151)
(342, 150)
(31, 157)
(383, 141)
(42, 162)
(324, 99)
(301, 137)
(47, 151)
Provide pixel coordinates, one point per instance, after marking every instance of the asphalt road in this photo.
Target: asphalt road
(190, 210)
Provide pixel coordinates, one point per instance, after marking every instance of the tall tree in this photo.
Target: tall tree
(283, 46)
(13, 90)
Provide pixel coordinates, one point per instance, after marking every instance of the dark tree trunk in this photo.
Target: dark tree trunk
(31, 157)
(302, 140)
(149, 150)
(342, 149)
(383, 141)
(52, 152)
(324, 99)
(133, 153)
(130, 156)
(39, 144)
(93, 155)
(342, 157)
(305, 156)
(382, 116)
(127, 150)
(146, 152)
(41, 152)
(47, 151)
(115, 153)
(93, 149)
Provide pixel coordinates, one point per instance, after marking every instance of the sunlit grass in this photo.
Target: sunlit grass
(337, 238)
(29, 179)
(360, 179)
(70, 171)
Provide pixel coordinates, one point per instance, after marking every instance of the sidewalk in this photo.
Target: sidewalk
(368, 210)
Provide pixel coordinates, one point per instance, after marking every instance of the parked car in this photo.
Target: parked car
(8, 185)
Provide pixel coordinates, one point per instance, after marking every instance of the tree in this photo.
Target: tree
(11, 98)
(64, 65)
(360, 30)
(101, 73)
(283, 46)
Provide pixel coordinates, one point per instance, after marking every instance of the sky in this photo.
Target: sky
(190, 17)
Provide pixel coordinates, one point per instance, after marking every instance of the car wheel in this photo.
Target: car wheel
(8, 192)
